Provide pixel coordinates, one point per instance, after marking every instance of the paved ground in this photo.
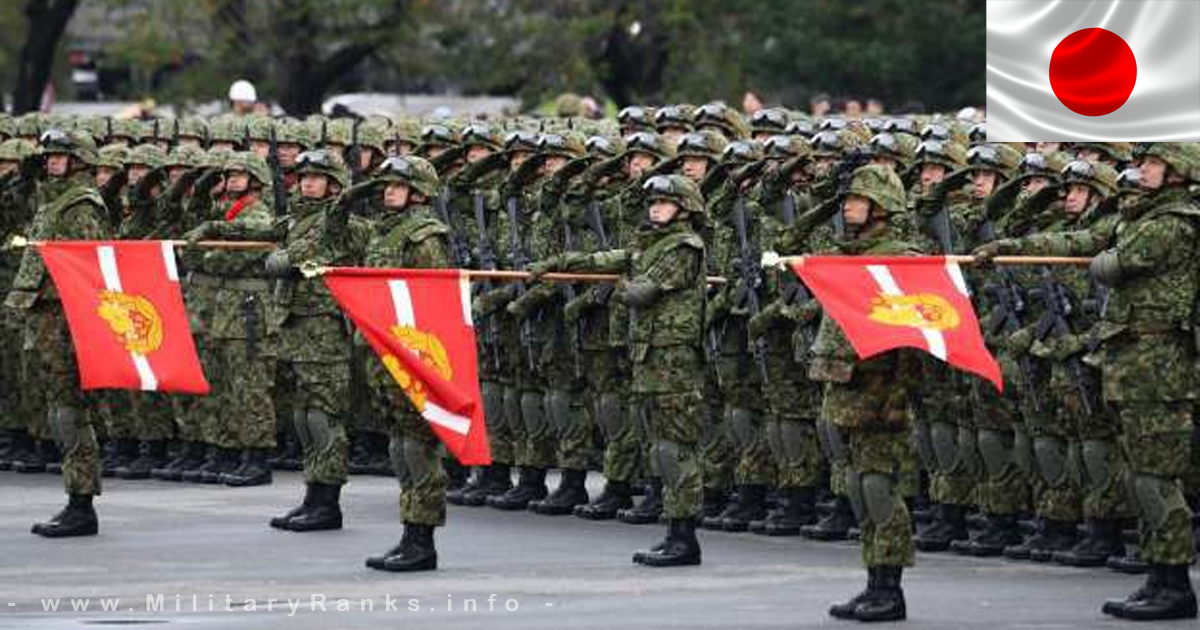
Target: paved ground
(179, 539)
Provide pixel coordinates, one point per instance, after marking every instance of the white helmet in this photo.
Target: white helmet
(243, 90)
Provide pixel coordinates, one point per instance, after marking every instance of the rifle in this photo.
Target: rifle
(1005, 296)
(352, 154)
(794, 292)
(569, 294)
(519, 261)
(750, 272)
(459, 248)
(841, 180)
(1056, 323)
(279, 190)
(487, 259)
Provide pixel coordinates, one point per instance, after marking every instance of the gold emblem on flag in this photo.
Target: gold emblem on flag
(133, 319)
(429, 350)
(921, 310)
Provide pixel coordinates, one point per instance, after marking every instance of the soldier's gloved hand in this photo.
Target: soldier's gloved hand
(951, 183)
(279, 264)
(1019, 342)
(641, 292)
(575, 309)
(1106, 268)
(758, 325)
(198, 233)
(521, 307)
(986, 253)
(542, 267)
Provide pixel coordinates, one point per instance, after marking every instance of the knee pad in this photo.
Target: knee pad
(944, 438)
(558, 407)
(996, 449)
(611, 414)
(417, 459)
(396, 455)
(62, 421)
(1023, 452)
(666, 454)
(879, 497)
(837, 444)
(493, 403)
(1156, 497)
(742, 423)
(1096, 464)
(1051, 456)
(319, 429)
(774, 430)
(532, 413)
(792, 436)
(854, 492)
(512, 410)
(924, 441)
(300, 424)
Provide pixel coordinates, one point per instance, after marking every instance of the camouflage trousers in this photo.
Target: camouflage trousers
(872, 483)
(14, 416)
(609, 400)
(114, 416)
(539, 444)
(322, 391)
(671, 424)
(417, 455)
(718, 459)
(238, 413)
(500, 436)
(794, 401)
(1004, 451)
(1157, 442)
(50, 355)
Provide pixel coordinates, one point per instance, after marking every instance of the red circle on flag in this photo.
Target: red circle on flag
(1092, 71)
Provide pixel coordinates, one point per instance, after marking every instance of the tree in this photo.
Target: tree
(46, 21)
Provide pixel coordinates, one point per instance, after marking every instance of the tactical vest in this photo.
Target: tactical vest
(677, 317)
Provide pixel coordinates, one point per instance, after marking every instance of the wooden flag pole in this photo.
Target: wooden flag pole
(771, 259)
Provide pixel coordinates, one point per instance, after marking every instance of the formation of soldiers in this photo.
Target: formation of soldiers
(731, 405)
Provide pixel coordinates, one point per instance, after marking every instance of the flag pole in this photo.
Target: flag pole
(771, 259)
(312, 270)
(18, 242)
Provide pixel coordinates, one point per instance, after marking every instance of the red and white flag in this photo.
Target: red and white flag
(1093, 70)
(419, 323)
(884, 303)
(125, 311)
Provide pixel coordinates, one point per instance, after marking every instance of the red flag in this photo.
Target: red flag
(419, 323)
(126, 315)
(883, 303)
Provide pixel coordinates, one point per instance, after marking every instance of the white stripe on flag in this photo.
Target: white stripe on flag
(441, 417)
(149, 381)
(464, 298)
(934, 339)
(402, 302)
(168, 252)
(108, 267)
(957, 278)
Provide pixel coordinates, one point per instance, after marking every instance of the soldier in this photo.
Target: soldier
(1148, 260)
(664, 287)
(408, 235)
(314, 343)
(867, 403)
(236, 351)
(68, 207)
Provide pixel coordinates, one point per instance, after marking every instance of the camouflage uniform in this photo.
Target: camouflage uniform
(68, 208)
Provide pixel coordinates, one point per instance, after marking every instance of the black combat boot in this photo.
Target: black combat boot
(18, 449)
(206, 463)
(845, 610)
(325, 511)
(751, 506)
(34, 461)
(1174, 599)
(495, 481)
(123, 452)
(681, 548)
(949, 526)
(1103, 540)
(1130, 563)
(279, 521)
(254, 470)
(617, 496)
(418, 555)
(456, 473)
(836, 525)
(474, 483)
(190, 456)
(376, 562)
(227, 459)
(1148, 589)
(1000, 531)
(571, 491)
(1052, 536)
(532, 487)
(650, 509)
(885, 602)
(52, 456)
(798, 510)
(379, 462)
(714, 503)
(77, 519)
(152, 454)
(360, 453)
(288, 456)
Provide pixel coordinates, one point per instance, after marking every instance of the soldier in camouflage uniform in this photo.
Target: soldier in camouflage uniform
(408, 235)
(21, 420)
(68, 208)
(664, 288)
(232, 294)
(611, 200)
(1148, 260)
(786, 325)
(867, 403)
(314, 343)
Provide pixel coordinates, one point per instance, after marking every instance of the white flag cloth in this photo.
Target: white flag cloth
(1038, 93)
